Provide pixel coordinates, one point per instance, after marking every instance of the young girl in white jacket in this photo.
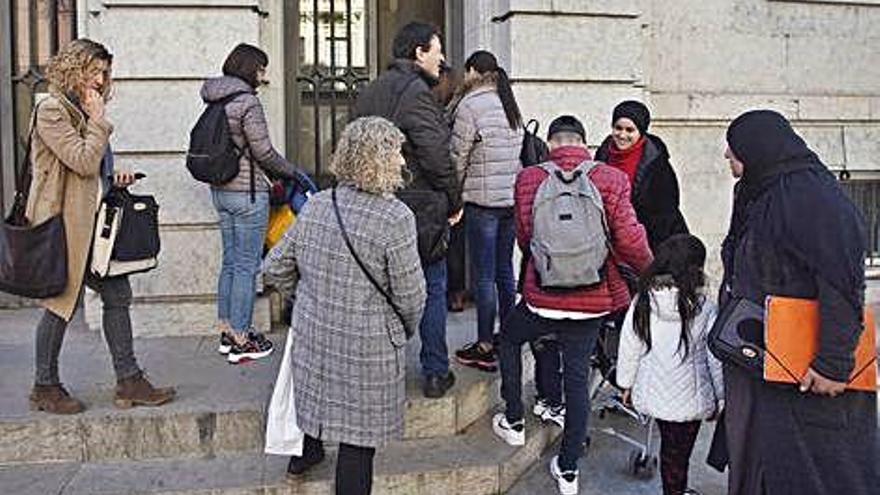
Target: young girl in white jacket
(664, 364)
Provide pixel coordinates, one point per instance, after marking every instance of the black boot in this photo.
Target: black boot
(313, 453)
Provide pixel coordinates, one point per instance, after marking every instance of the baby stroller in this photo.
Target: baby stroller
(605, 397)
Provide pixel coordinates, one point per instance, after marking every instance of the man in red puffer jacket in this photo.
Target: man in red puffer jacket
(572, 315)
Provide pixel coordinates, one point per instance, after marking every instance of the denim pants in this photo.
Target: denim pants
(576, 340)
(490, 240)
(243, 229)
(432, 329)
(116, 323)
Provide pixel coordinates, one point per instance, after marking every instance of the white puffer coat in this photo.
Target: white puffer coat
(663, 386)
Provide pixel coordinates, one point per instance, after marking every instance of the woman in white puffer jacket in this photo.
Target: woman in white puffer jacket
(663, 361)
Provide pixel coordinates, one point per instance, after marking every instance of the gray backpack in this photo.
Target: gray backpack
(569, 235)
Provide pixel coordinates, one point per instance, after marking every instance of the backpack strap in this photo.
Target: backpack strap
(224, 101)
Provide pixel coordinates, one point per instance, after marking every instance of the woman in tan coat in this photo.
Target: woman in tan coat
(73, 168)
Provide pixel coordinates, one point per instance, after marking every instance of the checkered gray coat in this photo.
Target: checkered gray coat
(348, 356)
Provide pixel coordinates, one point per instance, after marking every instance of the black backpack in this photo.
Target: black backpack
(213, 156)
(534, 150)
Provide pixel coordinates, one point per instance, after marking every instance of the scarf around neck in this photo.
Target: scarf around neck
(627, 160)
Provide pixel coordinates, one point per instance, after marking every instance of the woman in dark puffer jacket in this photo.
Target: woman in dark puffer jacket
(645, 160)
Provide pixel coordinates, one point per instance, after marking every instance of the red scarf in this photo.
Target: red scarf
(627, 160)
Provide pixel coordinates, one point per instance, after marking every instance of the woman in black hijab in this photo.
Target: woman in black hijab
(644, 158)
(795, 233)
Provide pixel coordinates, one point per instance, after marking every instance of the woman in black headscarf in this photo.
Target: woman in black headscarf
(795, 233)
(643, 157)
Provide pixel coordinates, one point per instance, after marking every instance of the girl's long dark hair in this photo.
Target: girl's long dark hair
(486, 63)
(678, 262)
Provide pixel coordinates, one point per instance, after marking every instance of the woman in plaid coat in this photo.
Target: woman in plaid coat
(348, 357)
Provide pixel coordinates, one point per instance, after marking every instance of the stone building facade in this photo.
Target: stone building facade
(696, 63)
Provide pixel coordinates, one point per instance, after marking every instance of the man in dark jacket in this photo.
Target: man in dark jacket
(573, 315)
(403, 95)
(795, 233)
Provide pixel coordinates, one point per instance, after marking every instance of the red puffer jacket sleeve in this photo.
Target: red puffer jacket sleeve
(628, 237)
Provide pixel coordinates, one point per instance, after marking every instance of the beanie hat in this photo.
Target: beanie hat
(566, 123)
(635, 111)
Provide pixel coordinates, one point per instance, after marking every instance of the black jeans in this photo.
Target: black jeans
(576, 340)
(116, 323)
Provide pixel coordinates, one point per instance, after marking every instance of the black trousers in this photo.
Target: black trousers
(676, 445)
(354, 466)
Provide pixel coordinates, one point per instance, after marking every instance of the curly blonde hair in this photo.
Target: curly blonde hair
(76, 62)
(367, 156)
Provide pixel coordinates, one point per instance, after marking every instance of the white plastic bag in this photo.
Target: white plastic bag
(283, 436)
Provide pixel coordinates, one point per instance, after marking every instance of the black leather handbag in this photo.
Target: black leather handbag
(33, 258)
(737, 336)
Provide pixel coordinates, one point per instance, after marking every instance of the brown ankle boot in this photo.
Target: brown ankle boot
(137, 391)
(54, 399)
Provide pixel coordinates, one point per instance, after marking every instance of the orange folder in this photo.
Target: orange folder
(792, 339)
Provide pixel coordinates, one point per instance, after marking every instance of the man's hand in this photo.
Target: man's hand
(626, 397)
(123, 178)
(818, 384)
(456, 217)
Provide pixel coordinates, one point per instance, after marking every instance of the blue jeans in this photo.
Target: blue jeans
(490, 240)
(432, 329)
(576, 341)
(243, 228)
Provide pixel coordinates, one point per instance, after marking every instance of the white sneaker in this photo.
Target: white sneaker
(540, 407)
(567, 481)
(514, 434)
(555, 415)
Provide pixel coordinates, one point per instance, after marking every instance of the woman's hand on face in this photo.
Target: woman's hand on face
(93, 104)
(123, 178)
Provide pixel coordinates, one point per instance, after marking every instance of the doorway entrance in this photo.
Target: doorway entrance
(333, 48)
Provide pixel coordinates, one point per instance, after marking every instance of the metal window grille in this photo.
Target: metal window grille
(866, 195)
(332, 66)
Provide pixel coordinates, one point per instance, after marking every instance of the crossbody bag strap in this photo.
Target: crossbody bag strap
(360, 263)
(24, 173)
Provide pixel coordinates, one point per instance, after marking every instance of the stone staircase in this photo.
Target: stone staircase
(210, 440)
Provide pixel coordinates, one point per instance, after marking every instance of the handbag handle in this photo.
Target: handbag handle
(24, 176)
(363, 267)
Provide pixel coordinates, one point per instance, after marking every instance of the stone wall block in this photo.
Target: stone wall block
(175, 42)
(567, 51)
(862, 146)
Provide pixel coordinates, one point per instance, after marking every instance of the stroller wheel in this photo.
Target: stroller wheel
(640, 465)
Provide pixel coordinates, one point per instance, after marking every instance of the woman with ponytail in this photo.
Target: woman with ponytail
(663, 363)
(486, 140)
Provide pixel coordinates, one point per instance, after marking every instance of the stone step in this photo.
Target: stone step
(475, 462)
(220, 409)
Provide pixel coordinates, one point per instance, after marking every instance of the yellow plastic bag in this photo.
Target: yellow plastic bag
(280, 219)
